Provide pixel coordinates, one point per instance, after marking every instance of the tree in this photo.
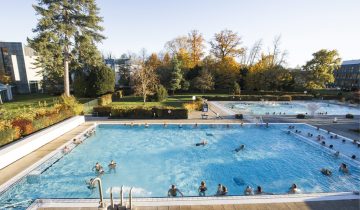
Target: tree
(66, 31)
(226, 44)
(196, 45)
(204, 81)
(145, 81)
(94, 82)
(175, 45)
(176, 76)
(101, 80)
(320, 68)
(226, 72)
(236, 89)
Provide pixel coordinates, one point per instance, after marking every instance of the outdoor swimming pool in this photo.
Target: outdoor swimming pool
(290, 108)
(151, 159)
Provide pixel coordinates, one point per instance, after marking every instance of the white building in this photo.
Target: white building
(18, 61)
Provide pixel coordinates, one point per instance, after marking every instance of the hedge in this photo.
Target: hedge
(102, 111)
(148, 113)
(19, 127)
(105, 99)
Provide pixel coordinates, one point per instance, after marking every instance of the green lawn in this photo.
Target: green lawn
(29, 100)
(33, 101)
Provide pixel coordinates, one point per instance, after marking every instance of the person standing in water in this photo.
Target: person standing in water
(173, 191)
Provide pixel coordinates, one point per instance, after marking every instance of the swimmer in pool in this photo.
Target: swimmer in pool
(293, 189)
(203, 143)
(112, 164)
(326, 172)
(343, 168)
(89, 184)
(242, 147)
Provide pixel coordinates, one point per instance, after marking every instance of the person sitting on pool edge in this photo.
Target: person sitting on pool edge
(258, 190)
(343, 168)
(112, 164)
(202, 188)
(222, 190)
(326, 172)
(202, 143)
(293, 189)
(248, 191)
(173, 191)
(241, 147)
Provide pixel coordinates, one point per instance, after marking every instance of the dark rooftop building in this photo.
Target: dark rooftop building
(348, 75)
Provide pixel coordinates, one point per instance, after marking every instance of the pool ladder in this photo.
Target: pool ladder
(122, 203)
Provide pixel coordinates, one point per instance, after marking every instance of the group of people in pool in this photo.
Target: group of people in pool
(321, 139)
(99, 170)
(343, 168)
(223, 191)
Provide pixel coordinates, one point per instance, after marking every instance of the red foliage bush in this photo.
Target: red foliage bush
(25, 126)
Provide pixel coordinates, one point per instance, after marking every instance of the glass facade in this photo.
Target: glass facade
(348, 76)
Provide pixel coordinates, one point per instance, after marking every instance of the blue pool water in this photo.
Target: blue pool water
(290, 108)
(151, 159)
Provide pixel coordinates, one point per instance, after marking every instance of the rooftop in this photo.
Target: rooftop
(351, 62)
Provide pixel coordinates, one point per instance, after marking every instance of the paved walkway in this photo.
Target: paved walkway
(315, 205)
(312, 205)
(15, 168)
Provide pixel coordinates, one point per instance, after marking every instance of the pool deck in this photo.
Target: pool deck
(20, 165)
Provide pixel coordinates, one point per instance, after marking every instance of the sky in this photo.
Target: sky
(305, 26)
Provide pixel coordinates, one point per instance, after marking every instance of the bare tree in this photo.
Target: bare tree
(226, 44)
(145, 80)
(278, 56)
(173, 46)
(254, 53)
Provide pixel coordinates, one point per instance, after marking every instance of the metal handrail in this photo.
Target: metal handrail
(111, 198)
(130, 198)
(98, 180)
(121, 195)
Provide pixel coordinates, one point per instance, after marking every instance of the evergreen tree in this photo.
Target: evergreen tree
(176, 76)
(66, 32)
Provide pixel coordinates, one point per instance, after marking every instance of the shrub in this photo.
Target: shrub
(70, 102)
(25, 126)
(105, 100)
(300, 116)
(119, 94)
(349, 116)
(148, 113)
(161, 93)
(8, 135)
(236, 88)
(197, 105)
(102, 110)
(239, 116)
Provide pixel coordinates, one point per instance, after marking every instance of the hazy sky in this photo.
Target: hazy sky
(304, 25)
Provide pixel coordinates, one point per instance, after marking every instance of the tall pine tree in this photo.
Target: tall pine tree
(176, 76)
(66, 33)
